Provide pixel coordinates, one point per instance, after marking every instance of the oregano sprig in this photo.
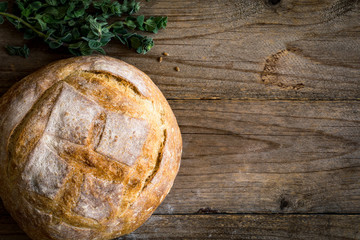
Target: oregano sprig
(82, 26)
(23, 51)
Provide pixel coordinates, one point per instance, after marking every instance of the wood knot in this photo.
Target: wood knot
(271, 74)
(283, 203)
(274, 2)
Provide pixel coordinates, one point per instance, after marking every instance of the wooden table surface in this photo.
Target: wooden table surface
(268, 102)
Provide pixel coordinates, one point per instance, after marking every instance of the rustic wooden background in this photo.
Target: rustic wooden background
(268, 101)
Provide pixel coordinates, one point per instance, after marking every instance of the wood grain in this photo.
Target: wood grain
(267, 156)
(297, 49)
(267, 98)
(230, 227)
(260, 157)
(249, 227)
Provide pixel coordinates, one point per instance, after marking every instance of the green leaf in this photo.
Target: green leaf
(85, 50)
(99, 4)
(26, 51)
(71, 23)
(75, 33)
(52, 11)
(20, 4)
(90, 35)
(140, 20)
(80, 48)
(95, 26)
(74, 52)
(49, 33)
(68, 17)
(26, 12)
(67, 38)
(29, 34)
(106, 38)
(101, 18)
(150, 25)
(23, 51)
(122, 40)
(142, 44)
(86, 3)
(93, 44)
(51, 2)
(104, 8)
(61, 12)
(161, 22)
(47, 18)
(79, 13)
(120, 31)
(76, 45)
(148, 43)
(70, 8)
(130, 24)
(135, 42)
(134, 7)
(1, 20)
(12, 50)
(62, 30)
(3, 6)
(116, 8)
(42, 24)
(84, 30)
(108, 35)
(54, 45)
(100, 50)
(117, 25)
(36, 5)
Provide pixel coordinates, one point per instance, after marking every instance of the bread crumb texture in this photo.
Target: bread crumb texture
(88, 149)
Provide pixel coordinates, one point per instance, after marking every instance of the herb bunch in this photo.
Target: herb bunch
(82, 26)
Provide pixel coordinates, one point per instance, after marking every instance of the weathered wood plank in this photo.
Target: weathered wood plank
(267, 156)
(249, 227)
(237, 50)
(230, 227)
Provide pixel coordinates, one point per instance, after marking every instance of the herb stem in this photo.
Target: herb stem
(110, 26)
(28, 25)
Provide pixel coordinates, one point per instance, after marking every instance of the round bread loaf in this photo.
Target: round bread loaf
(89, 147)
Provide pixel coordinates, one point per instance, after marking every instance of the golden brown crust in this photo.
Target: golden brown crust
(89, 149)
